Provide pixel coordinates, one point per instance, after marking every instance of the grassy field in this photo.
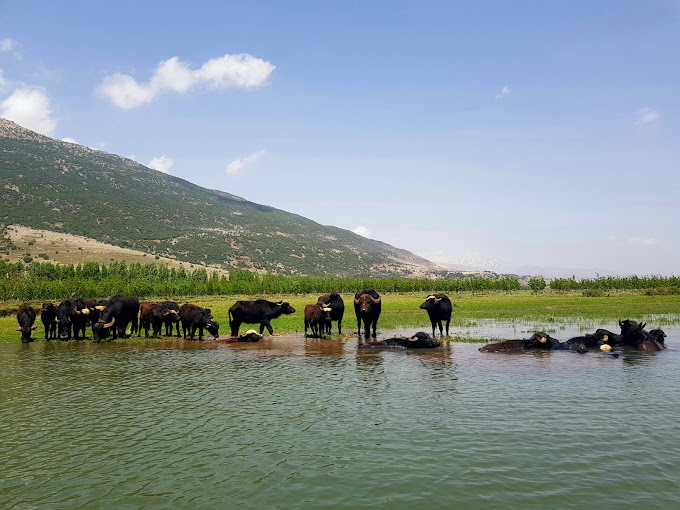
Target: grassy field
(402, 310)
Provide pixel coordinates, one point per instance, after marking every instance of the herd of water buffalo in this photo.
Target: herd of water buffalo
(109, 319)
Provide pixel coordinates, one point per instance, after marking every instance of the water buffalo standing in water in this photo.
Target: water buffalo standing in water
(337, 309)
(192, 318)
(119, 312)
(259, 312)
(316, 318)
(367, 307)
(538, 340)
(48, 316)
(438, 307)
(26, 315)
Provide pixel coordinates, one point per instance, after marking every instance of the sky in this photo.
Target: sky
(520, 136)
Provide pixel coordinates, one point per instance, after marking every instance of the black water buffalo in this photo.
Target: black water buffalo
(256, 312)
(337, 309)
(609, 338)
(214, 329)
(438, 307)
(316, 318)
(48, 316)
(367, 307)
(538, 340)
(97, 310)
(171, 319)
(634, 335)
(80, 316)
(64, 324)
(119, 312)
(153, 316)
(194, 317)
(581, 344)
(419, 340)
(26, 317)
(250, 336)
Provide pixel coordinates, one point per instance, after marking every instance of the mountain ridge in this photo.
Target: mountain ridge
(70, 188)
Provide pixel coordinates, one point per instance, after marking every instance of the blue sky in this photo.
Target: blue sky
(526, 133)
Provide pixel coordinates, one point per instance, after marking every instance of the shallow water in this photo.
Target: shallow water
(292, 422)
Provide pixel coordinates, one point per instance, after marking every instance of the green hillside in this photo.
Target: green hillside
(69, 188)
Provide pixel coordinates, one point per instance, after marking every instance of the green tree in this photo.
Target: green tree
(537, 283)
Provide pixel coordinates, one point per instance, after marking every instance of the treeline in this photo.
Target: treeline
(38, 281)
(609, 283)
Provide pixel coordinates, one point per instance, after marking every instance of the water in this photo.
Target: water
(297, 423)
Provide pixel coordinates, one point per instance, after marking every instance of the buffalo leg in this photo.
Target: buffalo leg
(359, 326)
(375, 325)
(434, 325)
(447, 327)
(441, 329)
(269, 328)
(200, 332)
(340, 327)
(261, 327)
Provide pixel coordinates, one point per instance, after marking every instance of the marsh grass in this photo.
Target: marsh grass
(401, 311)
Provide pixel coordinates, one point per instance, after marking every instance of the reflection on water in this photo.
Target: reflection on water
(294, 422)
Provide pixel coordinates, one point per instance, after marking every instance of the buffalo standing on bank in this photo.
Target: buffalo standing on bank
(316, 318)
(193, 317)
(119, 312)
(337, 305)
(48, 316)
(259, 312)
(26, 317)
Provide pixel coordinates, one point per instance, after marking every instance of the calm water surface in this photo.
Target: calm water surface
(292, 423)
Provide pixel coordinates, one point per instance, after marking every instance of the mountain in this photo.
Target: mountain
(71, 189)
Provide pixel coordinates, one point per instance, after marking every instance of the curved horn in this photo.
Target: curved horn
(413, 339)
(373, 299)
(34, 327)
(620, 323)
(356, 301)
(543, 339)
(431, 296)
(100, 308)
(437, 300)
(56, 319)
(113, 320)
(642, 326)
(77, 311)
(86, 311)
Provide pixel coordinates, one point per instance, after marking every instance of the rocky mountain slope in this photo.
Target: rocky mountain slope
(68, 188)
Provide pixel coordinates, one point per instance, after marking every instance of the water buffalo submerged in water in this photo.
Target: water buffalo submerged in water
(337, 306)
(634, 335)
(538, 340)
(259, 312)
(367, 308)
(419, 340)
(438, 307)
(26, 318)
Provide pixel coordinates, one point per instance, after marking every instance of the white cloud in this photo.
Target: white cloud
(237, 165)
(647, 116)
(30, 108)
(636, 241)
(162, 164)
(173, 75)
(504, 92)
(69, 140)
(7, 44)
(362, 231)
